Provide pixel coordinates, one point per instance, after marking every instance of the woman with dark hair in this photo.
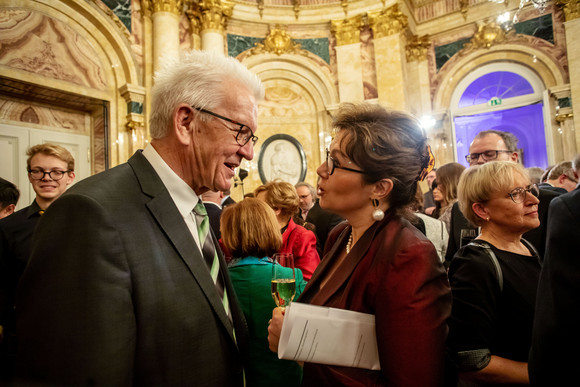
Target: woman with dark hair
(445, 190)
(377, 262)
(250, 232)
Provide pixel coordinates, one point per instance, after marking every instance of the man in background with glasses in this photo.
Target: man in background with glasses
(496, 145)
(50, 171)
(136, 291)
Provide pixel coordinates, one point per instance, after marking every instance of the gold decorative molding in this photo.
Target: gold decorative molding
(134, 122)
(464, 6)
(261, 7)
(487, 35)
(146, 8)
(561, 117)
(571, 8)
(215, 14)
(417, 47)
(193, 13)
(344, 5)
(296, 6)
(171, 6)
(277, 42)
(387, 22)
(347, 31)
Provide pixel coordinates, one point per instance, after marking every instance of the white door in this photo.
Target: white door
(15, 140)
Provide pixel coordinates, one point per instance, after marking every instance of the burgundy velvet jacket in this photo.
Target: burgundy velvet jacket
(394, 273)
(302, 243)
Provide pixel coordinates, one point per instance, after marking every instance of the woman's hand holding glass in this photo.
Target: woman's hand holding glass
(283, 279)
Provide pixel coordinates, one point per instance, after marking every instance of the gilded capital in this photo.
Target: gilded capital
(387, 22)
(347, 31)
(417, 47)
(193, 13)
(172, 6)
(571, 8)
(215, 14)
(146, 8)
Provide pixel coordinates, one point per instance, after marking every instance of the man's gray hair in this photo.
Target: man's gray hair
(200, 79)
(509, 139)
(310, 187)
(576, 164)
(562, 168)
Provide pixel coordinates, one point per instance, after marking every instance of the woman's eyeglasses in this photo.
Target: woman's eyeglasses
(518, 195)
(332, 164)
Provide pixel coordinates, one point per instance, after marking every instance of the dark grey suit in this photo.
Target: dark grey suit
(117, 292)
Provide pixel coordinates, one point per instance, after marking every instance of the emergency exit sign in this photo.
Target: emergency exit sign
(495, 101)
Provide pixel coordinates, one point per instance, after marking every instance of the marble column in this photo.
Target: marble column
(388, 25)
(572, 26)
(418, 91)
(348, 58)
(213, 16)
(165, 16)
(134, 95)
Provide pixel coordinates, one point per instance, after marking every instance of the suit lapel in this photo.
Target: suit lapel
(313, 292)
(171, 222)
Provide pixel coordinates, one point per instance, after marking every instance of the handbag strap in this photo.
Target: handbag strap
(487, 248)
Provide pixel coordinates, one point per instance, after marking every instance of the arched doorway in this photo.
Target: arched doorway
(507, 97)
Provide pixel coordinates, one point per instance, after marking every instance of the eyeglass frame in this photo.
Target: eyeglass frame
(330, 171)
(251, 137)
(481, 154)
(49, 173)
(533, 189)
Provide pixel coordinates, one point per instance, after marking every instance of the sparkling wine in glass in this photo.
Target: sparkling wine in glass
(283, 279)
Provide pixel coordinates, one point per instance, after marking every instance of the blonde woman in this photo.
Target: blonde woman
(494, 278)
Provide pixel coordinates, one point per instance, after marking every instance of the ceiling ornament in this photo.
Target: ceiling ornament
(387, 22)
(347, 31)
(487, 35)
(417, 47)
(296, 6)
(277, 42)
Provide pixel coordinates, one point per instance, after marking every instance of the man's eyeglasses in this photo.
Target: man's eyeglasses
(244, 133)
(38, 174)
(518, 195)
(488, 155)
(331, 165)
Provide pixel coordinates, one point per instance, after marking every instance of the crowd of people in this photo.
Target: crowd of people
(150, 274)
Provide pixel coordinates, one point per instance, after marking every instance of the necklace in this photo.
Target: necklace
(349, 243)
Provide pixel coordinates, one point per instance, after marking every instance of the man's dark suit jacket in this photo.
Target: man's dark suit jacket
(117, 292)
(554, 355)
(537, 236)
(15, 241)
(550, 187)
(324, 222)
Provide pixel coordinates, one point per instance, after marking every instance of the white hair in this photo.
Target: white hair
(200, 79)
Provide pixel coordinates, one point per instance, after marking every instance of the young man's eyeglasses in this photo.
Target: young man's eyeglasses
(332, 164)
(244, 133)
(488, 155)
(38, 174)
(518, 195)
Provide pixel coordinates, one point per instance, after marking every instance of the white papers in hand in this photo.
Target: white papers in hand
(318, 334)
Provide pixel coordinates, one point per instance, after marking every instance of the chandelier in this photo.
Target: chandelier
(507, 24)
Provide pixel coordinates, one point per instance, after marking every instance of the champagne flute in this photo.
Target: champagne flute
(283, 279)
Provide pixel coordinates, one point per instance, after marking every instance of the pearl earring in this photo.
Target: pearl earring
(378, 214)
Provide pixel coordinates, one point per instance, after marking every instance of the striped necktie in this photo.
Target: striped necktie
(210, 254)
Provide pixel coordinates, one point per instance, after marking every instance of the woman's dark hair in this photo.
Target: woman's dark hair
(385, 144)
